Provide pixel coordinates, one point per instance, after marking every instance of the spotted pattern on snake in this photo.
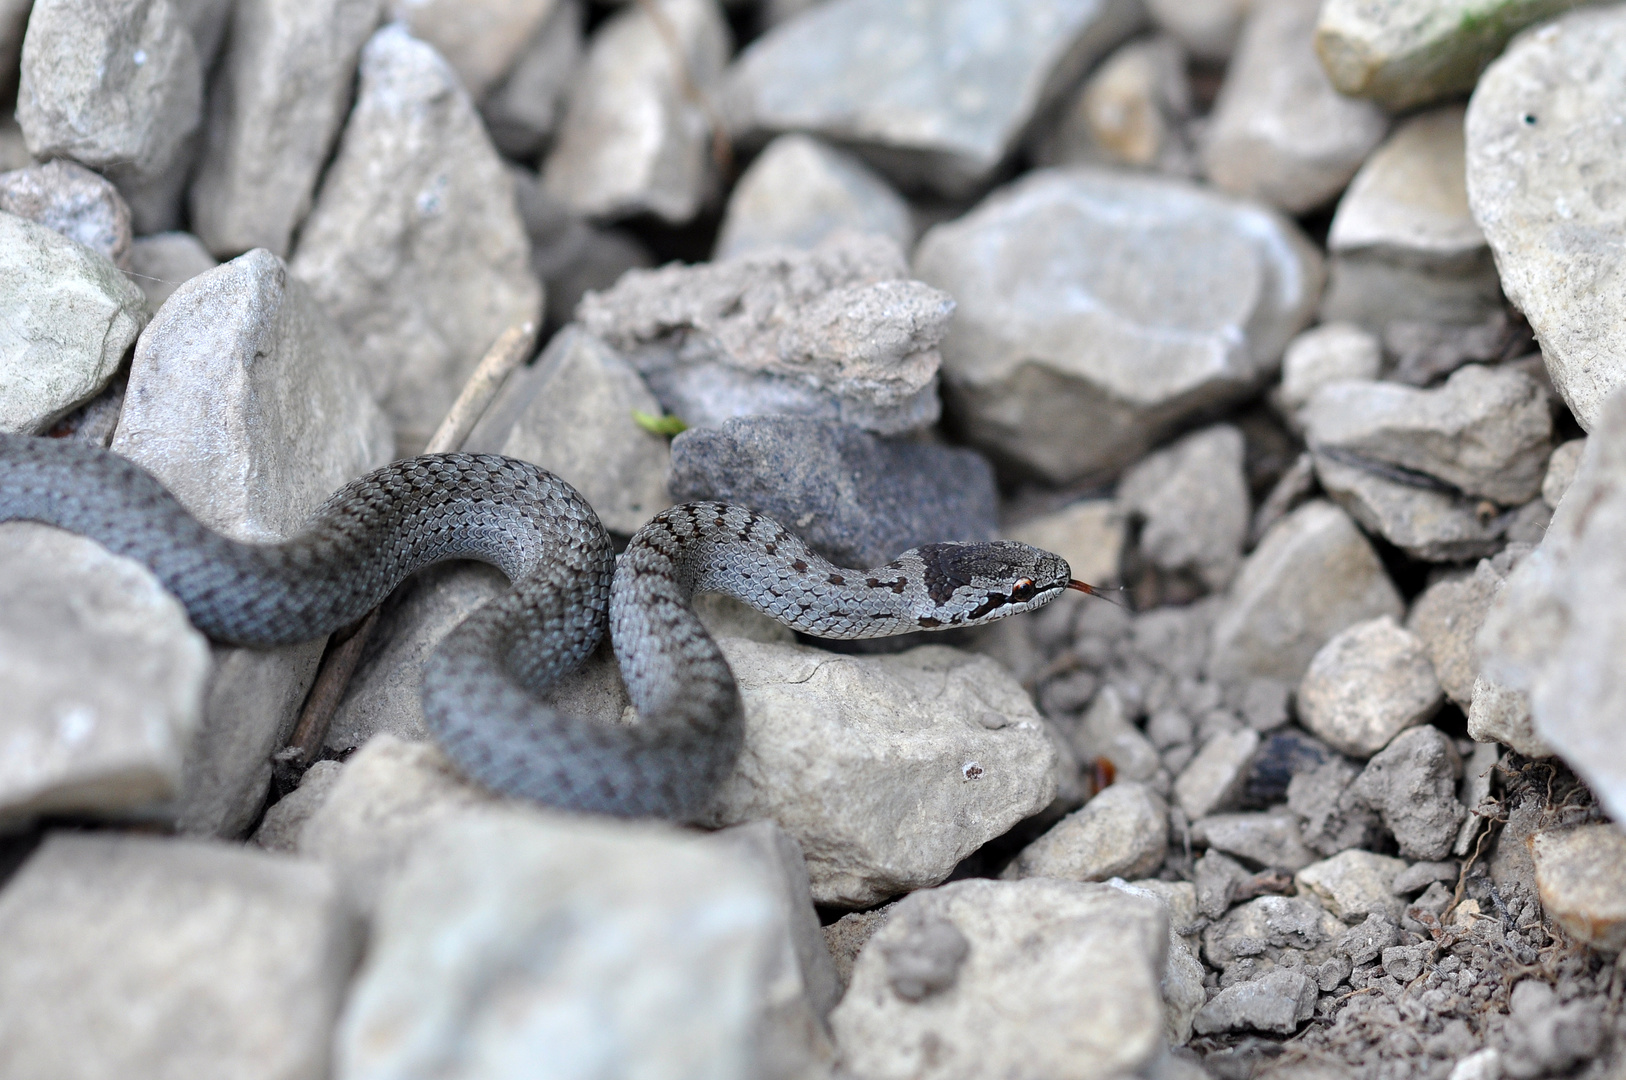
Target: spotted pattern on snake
(479, 685)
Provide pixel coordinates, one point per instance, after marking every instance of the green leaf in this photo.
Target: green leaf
(659, 425)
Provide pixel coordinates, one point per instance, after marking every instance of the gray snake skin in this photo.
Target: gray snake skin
(478, 685)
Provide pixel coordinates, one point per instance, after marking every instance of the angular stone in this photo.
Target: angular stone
(279, 829)
(482, 41)
(414, 245)
(1059, 979)
(857, 499)
(276, 105)
(1313, 575)
(1280, 132)
(1088, 534)
(663, 940)
(570, 256)
(1062, 359)
(1539, 129)
(524, 110)
(1499, 714)
(1323, 354)
(1193, 500)
(1423, 521)
(1107, 731)
(836, 333)
(1131, 111)
(138, 956)
(162, 263)
(1581, 874)
(1207, 28)
(104, 679)
(1331, 818)
(829, 740)
(1259, 935)
(1270, 840)
(1183, 974)
(1217, 775)
(70, 320)
(1487, 431)
(633, 139)
(1277, 1002)
(115, 85)
(1370, 682)
(934, 94)
(75, 202)
(1446, 618)
(799, 191)
(1561, 466)
(1404, 244)
(1122, 832)
(1412, 784)
(1353, 884)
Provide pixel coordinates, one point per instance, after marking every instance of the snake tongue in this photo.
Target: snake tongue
(1086, 587)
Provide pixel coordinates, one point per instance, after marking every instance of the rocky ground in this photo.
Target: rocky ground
(1295, 320)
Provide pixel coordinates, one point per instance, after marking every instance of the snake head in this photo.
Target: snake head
(968, 584)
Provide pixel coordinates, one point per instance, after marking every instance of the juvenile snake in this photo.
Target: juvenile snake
(478, 684)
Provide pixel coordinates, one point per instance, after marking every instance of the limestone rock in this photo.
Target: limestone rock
(164, 262)
(1132, 111)
(523, 112)
(1193, 498)
(1561, 466)
(75, 202)
(1269, 839)
(1499, 714)
(1277, 1002)
(482, 41)
(70, 317)
(1367, 684)
(1422, 520)
(1215, 778)
(1208, 28)
(1122, 832)
(104, 679)
(1063, 359)
(934, 94)
(414, 246)
(1353, 884)
(1412, 784)
(1581, 874)
(1271, 931)
(1445, 618)
(1323, 354)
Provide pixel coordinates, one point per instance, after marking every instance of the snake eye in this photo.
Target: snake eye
(1024, 590)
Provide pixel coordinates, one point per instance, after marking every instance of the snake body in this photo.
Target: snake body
(479, 685)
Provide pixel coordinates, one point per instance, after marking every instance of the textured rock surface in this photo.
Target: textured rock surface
(799, 191)
(1270, 839)
(1058, 979)
(1323, 354)
(139, 956)
(1537, 129)
(104, 678)
(481, 41)
(1353, 884)
(830, 740)
(1423, 521)
(1280, 132)
(1277, 1002)
(1066, 381)
(1582, 877)
(1412, 784)
(75, 202)
(935, 94)
(1193, 500)
(1122, 832)
(857, 499)
(1215, 778)
(70, 318)
(414, 245)
(839, 333)
(1131, 111)
(633, 140)
(163, 262)
(1445, 618)
(523, 112)
(1502, 715)
(276, 106)
(1366, 685)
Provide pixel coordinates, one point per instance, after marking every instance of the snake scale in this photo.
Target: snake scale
(479, 685)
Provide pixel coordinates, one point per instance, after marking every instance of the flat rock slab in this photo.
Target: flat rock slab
(1065, 359)
(1122, 832)
(1543, 122)
(935, 94)
(135, 956)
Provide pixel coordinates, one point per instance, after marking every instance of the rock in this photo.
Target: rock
(1089, 534)
(847, 936)
(1324, 354)
(570, 256)
(70, 317)
(75, 202)
(1561, 466)
(1282, 757)
(285, 819)
(115, 85)
(1543, 1037)
(633, 139)
(1278, 1002)
(575, 408)
(278, 101)
(935, 95)
(415, 187)
(482, 41)
(1311, 576)
(1061, 366)
(523, 111)
(1487, 432)
(1417, 514)
(13, 24)
(1217, 775)
(1331, 818)
(1353, 884)
(837, 333)
(1183, 973)
(250, 989)
(1207, 28)
(1132, 111)
(1372, 681)
(164, 262)
(1270, 840)
(1086, 958)
(665, 941)
(1412, 784)
(1483, 1064)
(1218, 880)
(1419, 876)
(1364, 943)
(1107, 731)
(1403, 242)
(1279, 131)
(1122, 832)
(1258, 936)
(1533, 140)
(1445, 619)
(1193, 499)
(1411, 53)
(1580, 873)
(829, 739)
(800, 191)
(1499, 714)
(1476, 789)
(104, 679)
(857, 499)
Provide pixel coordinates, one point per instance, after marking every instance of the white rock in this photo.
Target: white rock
(164, 262)
(1353, 884)
(1367, 684)
(1499, 714)
(1193, 500)
(799, 191)
(279, 829)
(482, 41)
(1215, 777)
(633, 139)
(1536, 136)
(1270, 839)
(1122, 832)
(136, 956)
(1561, 466)
(1279, 131)
(75, 202)
(70, 320)
(523, 111)
(1050, 978)
(1581, 877)
(830, 740)
(1427, 523)
(1208, 28)
(1131, 111)
(104, 679)
(1323, 354)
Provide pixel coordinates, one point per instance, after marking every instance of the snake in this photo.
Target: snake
(481, 683)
